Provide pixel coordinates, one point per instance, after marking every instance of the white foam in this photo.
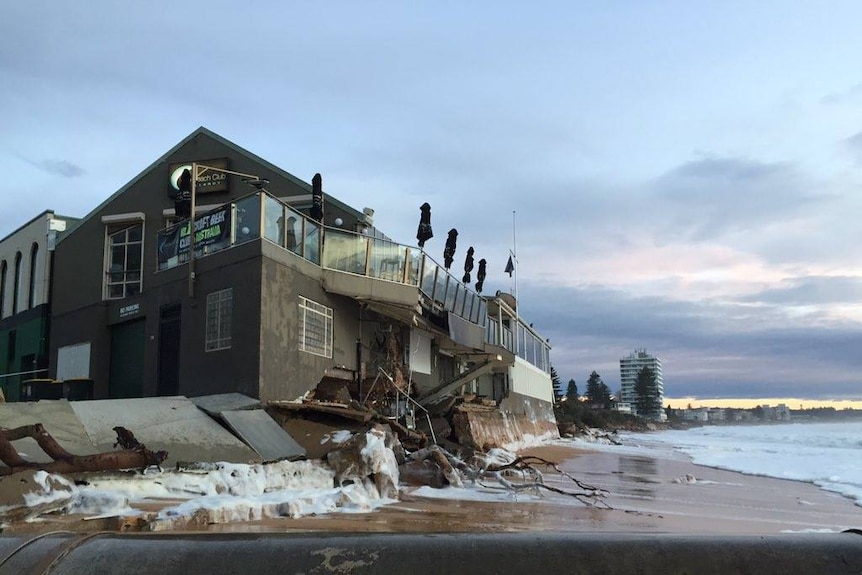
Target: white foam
(228, 491)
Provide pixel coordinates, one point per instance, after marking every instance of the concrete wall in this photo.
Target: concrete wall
(286, 371)
(527, 379)
(519, 419)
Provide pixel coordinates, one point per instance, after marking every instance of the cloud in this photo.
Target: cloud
(812, 290)
(62, 168)
(714, 196)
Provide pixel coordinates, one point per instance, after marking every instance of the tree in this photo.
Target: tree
(605, 392)
(597, 392)
(572, 391)
(648, 401)
(558, 386)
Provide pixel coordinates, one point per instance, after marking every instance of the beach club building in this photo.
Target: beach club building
(261, 298)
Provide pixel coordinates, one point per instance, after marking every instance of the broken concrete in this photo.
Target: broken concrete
(368, 455)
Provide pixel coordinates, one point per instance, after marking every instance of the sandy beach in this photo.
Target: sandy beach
(645, 494)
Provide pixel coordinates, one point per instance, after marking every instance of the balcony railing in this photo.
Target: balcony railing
(262, 215)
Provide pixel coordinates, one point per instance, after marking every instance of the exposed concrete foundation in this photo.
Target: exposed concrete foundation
(518, 418)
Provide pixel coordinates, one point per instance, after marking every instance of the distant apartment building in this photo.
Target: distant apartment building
(26, 263)
(629, 368)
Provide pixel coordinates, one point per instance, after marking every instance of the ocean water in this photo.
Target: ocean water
(826, 454)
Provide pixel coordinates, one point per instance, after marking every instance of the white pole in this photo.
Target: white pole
(192, 232)
(515, 262)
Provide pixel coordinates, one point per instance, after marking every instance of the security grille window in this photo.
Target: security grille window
(316, 336)
(125, 253)
(219, 320)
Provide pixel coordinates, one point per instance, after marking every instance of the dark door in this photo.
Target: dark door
(169, 350)
(127, 360)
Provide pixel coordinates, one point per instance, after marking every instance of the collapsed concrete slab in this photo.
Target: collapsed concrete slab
(172, 424)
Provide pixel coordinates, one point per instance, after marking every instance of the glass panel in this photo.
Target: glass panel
(118, 258)
(483, 313)
(133, 257)
(273, 220)
(115, 291)
(132, 289)
(248, 219)
(118, 238)
(459, 300)
(468, 305)
(415, 259)
(387, 260)
(454, 286)
(345, 252)
(440, 286)
(133, 276)
(134, 233)
(477, 307)
(293, 231)
(312, 242)
(428, 272)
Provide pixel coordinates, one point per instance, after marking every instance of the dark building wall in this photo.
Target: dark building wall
(23, 347)
(229, 370)
(286, 371)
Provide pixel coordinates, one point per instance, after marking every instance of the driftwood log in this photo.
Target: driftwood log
(134, 454)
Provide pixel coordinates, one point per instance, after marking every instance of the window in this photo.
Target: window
(219, 320)
(34, 254)
(125, 253)
(17, 283)
(316, 336)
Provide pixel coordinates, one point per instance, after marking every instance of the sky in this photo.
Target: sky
(677, 176)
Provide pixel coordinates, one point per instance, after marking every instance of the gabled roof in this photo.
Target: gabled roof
(227, 143)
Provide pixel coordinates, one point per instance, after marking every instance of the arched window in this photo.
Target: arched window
(3, 267)
(17, 286)
(34, 254)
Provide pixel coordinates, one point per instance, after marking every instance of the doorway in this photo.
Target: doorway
(169, 350)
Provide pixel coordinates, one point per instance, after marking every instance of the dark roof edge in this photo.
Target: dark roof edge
(222, 140)
(24, 225)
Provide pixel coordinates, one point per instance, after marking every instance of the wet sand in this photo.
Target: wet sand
(642, 494)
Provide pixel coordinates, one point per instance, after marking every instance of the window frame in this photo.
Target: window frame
(218, 335)
(310, 309)
(111, 230)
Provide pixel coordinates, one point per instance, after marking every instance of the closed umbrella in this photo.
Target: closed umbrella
(449, 250)
(424, 233)
(468, 265)
(317, 198)
(480, 275)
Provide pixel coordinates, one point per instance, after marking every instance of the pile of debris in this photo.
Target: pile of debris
(360, 472)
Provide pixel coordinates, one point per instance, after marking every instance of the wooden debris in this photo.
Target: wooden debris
(134, 454)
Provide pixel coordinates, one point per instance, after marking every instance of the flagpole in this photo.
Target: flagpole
(515, 257)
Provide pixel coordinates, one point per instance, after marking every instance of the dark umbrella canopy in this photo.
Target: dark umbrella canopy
(424, 233)
(317, 198)
(449, 250)
(480, 275)
(468, 265)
